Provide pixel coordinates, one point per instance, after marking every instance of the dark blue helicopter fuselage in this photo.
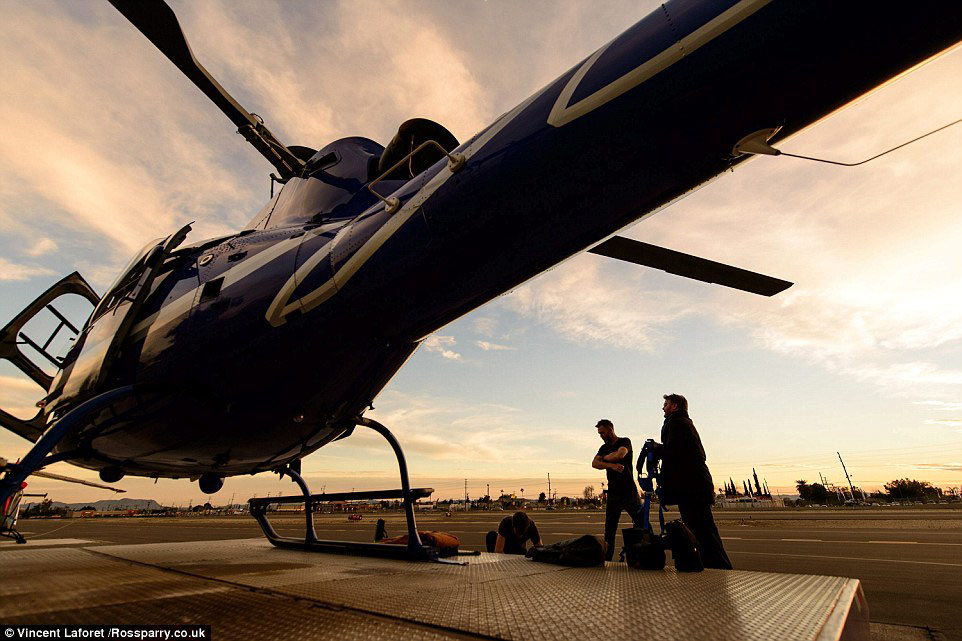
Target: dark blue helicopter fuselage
(265, 345)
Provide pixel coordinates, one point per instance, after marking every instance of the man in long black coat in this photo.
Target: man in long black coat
(686, 482)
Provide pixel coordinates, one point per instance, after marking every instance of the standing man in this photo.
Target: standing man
(615, 457)
(686, 482)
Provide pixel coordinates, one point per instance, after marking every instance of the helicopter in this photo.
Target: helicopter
(269, 343)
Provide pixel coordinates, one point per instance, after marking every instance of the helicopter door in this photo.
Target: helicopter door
(11, 338)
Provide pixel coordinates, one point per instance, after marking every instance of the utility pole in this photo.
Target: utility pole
(549, 487)
(850, 486)
(465, 495)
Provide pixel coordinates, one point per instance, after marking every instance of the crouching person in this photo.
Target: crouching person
(514, 533)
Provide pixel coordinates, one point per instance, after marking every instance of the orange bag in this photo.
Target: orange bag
(446, 544)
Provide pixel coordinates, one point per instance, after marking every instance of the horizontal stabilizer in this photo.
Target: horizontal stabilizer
(673, 262)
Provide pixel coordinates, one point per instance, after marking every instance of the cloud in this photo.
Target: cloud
(18, 396)
(485, 326)
(948, 422)
(950, 467)
(440, 345)
(109, 146)
(942, 405)
(488, 347)
(582, 302)
(465, 434)
(42, 246)
(920, 374)
(13, 271)
(873, 251)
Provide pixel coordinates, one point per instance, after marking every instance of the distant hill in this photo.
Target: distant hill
(107, 504)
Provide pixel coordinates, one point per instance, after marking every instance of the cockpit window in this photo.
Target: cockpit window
(126, 281)
(320, 163)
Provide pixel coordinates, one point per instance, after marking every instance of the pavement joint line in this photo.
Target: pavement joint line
(847, 558)
(800, 540)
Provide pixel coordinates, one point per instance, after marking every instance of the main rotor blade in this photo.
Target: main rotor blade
(157, 21)
(70, 479)
(673, 262)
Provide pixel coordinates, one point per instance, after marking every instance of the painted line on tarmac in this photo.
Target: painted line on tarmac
(740, 538)
(848, 558)
(37, 543)
(918, 542)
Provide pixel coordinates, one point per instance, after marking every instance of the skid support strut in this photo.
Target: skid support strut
(36, 458)
(414, 549)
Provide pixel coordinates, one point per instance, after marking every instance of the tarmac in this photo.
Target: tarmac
(247, 589)
(209, 570)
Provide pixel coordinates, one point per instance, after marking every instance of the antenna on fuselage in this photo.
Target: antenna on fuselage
(757, 143)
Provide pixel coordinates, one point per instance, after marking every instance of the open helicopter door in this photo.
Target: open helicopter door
(12, 338)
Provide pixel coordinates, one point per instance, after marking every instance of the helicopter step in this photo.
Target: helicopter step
(415, 550)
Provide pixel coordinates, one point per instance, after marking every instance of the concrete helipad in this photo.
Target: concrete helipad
(247, 589)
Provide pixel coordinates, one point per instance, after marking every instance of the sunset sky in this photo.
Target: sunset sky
(106, 146)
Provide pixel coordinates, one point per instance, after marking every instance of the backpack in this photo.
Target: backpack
(684, 547)
(644, 550)
(583, 551)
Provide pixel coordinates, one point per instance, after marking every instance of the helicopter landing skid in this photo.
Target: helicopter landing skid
(414, 550)
(13, 534)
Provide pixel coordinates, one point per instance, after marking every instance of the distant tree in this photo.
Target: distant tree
(88, 508)
(542, 497)
(804, 489)
(909, 489)
(44, 508)
(818, 493)
(589, 492)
